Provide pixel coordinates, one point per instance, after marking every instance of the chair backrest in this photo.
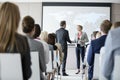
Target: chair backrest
(116, 70)
(49, 65)
(10, 66)
(96, 67)
(35, 67)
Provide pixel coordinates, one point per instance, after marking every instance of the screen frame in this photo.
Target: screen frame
(79, 4)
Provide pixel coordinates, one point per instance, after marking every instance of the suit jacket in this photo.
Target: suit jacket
(95, 47)
(62, 36)
(84, 39)
(24, 50)
(37, 46)
(112, 48)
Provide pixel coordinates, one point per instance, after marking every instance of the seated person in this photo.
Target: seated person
(96, 45)
(10, 40)
(28, 29)
(112, 48)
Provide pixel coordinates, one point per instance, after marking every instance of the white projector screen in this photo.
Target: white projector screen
(90, 17)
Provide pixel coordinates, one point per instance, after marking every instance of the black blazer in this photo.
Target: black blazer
(24, 50)
(62, 36)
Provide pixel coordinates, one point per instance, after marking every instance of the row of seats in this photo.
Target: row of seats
(97, 67)
(11, 69)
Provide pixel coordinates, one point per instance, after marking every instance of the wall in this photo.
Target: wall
(32, 9)
(115, 12)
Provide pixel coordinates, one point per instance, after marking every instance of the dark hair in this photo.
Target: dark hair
(51, 38)
(116, 24)
(28, 24)
(37, 31)
(106, 26)
(62, 23)
(80, 26)
(94, 33)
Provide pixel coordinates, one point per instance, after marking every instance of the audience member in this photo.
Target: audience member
(112, 48)
(44, 40)
(93, 35)
(36, 35)
(28, 29)
(98, 34)
(10, 40)
(37, 31)
(96, 45)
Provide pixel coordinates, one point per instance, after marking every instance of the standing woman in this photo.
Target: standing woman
(81, 39)
(10, 40)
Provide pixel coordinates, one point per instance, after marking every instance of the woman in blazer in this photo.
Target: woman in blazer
(80, 38)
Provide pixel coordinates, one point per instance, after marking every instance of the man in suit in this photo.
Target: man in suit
(96, 45)
(62, 36)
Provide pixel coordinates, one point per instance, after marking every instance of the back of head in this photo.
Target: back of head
(37, 31)
(9, 21)
(51, 38)
(62, 23)
(116, 25)
(93, 35)
(44, 36)
(105, 26)
(28, 24)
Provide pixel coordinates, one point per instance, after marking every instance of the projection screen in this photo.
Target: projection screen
(89, 15)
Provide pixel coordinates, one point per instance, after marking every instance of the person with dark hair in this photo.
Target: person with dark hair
(62, 37)
(29, 30)
(80, 38)
(96, 45)
(37, 31)
(93, 35)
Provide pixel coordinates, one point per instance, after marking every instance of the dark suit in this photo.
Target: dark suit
(62, 36)
(24, 50)
(95, 47)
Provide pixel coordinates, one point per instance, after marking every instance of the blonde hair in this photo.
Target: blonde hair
(44, 36)
(9, 21)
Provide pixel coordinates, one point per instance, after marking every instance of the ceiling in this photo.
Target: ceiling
(102, 1)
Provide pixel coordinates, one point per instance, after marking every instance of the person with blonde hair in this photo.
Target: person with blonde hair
(10, 40)
(44, 40)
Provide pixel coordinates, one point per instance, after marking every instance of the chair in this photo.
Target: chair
(116, 70)
(10, 66)
(49, 65)
(35, 67)
(96, 67)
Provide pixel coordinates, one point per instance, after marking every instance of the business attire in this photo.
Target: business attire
(112, 48)
(62, 37)
(95, 47)
(22, 47)
(38, 46)
(80, 38)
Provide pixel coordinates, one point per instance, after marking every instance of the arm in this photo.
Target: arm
(41, 58)
(68, 38)
(90, 56)
(107, 59)
(26, 60)
(86, 38)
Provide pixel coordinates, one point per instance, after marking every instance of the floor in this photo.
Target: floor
(72, 76)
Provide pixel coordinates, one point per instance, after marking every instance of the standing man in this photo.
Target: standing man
(62, 36)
